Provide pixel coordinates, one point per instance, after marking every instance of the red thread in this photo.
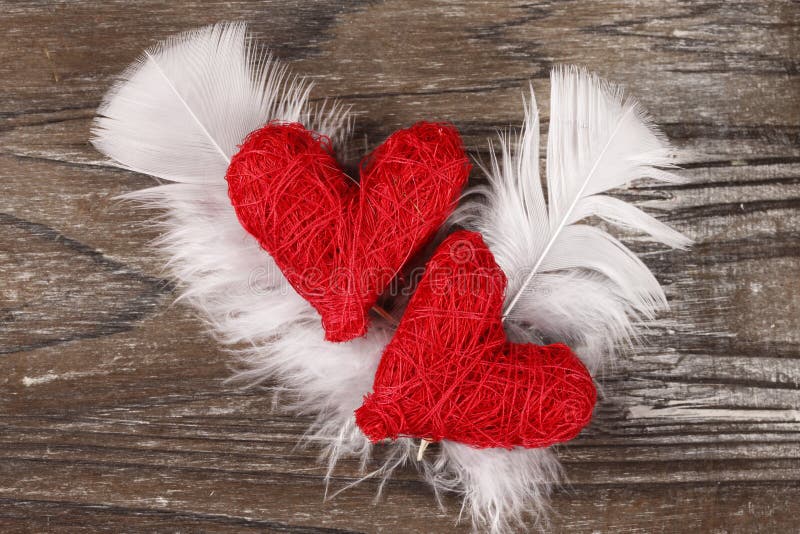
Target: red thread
(338, 244)
(450, 373)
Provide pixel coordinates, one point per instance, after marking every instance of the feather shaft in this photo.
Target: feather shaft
(562, 223)
(192, 114)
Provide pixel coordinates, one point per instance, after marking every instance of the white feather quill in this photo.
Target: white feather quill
(568, 281)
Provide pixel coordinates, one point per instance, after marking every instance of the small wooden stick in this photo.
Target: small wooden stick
(386, 315)
(423, 444)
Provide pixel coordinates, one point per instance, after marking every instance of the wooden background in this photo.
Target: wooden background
(113, 410)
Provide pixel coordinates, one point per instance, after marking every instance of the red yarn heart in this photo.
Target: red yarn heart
(450, 373)
(339, 245)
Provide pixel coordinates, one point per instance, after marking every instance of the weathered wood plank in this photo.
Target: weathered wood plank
(113, 406)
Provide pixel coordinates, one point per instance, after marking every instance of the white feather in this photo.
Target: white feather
(178, 114)
(568, 281)
(502, 490)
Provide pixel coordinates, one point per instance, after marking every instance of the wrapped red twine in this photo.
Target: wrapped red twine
(450, 373)
(339, 245)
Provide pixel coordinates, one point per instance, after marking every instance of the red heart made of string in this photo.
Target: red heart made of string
(340, 243)
(450, 373)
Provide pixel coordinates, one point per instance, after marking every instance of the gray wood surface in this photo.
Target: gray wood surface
(113, 410)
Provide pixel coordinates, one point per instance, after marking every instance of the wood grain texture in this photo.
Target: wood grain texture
(114, 414)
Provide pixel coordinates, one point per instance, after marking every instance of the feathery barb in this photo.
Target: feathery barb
(178, 113)
(568, 280)
(181, 110)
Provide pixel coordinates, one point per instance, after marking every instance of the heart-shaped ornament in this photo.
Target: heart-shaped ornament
(450, 373)
(340, 243)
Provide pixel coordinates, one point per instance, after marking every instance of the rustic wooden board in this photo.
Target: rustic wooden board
(113, 410)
